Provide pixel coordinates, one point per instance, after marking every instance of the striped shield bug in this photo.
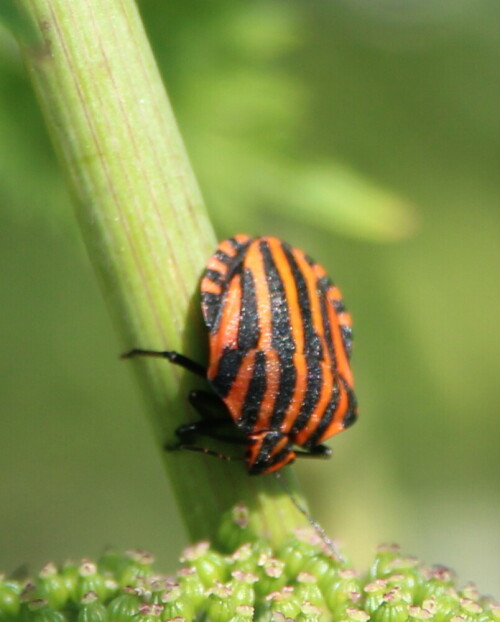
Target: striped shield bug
(280, 343)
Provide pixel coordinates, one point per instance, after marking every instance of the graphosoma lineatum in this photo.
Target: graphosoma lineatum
(280, 342)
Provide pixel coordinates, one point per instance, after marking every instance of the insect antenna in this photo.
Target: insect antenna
(328, 542)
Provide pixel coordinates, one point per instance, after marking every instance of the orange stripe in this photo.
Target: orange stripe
(343, 367)
(227, 333)
(255, 263)
(344, 319)
(299, 362)
(209, 287)
(272, 386)
(226, 247)
(214, 263)
(242, 238)
(290, 287)
(310, 278)
(337, 423)
(236, 396)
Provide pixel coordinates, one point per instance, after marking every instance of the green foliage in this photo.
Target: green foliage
(255, 582)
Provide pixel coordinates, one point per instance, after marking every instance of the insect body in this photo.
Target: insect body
(280, 343)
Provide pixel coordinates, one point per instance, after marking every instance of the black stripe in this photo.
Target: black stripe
(286, 389)
(229, 366)
(234, 265)
(351, 415)
(346, 332)
(312, 343)
(282, 340)
(339, 306)
(248, 328)
(312, 346)
(223, 257)
(323, 284)
(311, 397)
(255, 394)
(210, 303)
(237, 245)
(214, 275)
(310, 260)
(326, 418)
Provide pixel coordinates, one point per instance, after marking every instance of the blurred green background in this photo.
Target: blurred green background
(364, 132)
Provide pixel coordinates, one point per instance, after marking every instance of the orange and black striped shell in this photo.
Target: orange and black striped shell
(280, 343)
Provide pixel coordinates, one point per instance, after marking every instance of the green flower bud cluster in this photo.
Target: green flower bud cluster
(297, 581)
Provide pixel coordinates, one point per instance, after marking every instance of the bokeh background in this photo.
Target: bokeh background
(364, 132)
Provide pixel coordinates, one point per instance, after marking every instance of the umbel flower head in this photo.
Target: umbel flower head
(297, 581)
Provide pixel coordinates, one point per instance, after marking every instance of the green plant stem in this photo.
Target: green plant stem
(144, 225)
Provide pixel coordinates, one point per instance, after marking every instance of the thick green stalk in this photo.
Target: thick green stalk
(144, 225)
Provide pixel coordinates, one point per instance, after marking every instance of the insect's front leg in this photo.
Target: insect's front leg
(172, 356)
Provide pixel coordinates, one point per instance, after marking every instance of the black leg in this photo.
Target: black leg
(208, 404)
(188, 432)
(173, 357)
(318, 451)
(210, 452)
(203, 402)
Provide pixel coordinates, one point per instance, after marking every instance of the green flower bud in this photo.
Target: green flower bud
(221, 607)
(150, 613)
(242, 587)
(271, 573)
(210, 566)
(438, 580)
(470, 610)
(322, 567)
(52, 587)
(92, 610)
(139, 565)
(374, 594)
(392, 609)
(176, 604)
(41, 612)
(309, 612)
(71, 577)
(297, 583)
(307, 590)
(245, 557)
(295, 552)
(90, 580)
(343, 591)
(405, 586)
(389, 562)
(356, 615)
(244, 613)
(418, 614)
(284, 602)
(9, 599)
(124, 607)
(113, 563)
(191, 585)
(235, 528)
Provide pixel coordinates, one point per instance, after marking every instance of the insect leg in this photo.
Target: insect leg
(173, 357)
(318, 451)
(205, 403)
(209, 452)
(210, 428)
